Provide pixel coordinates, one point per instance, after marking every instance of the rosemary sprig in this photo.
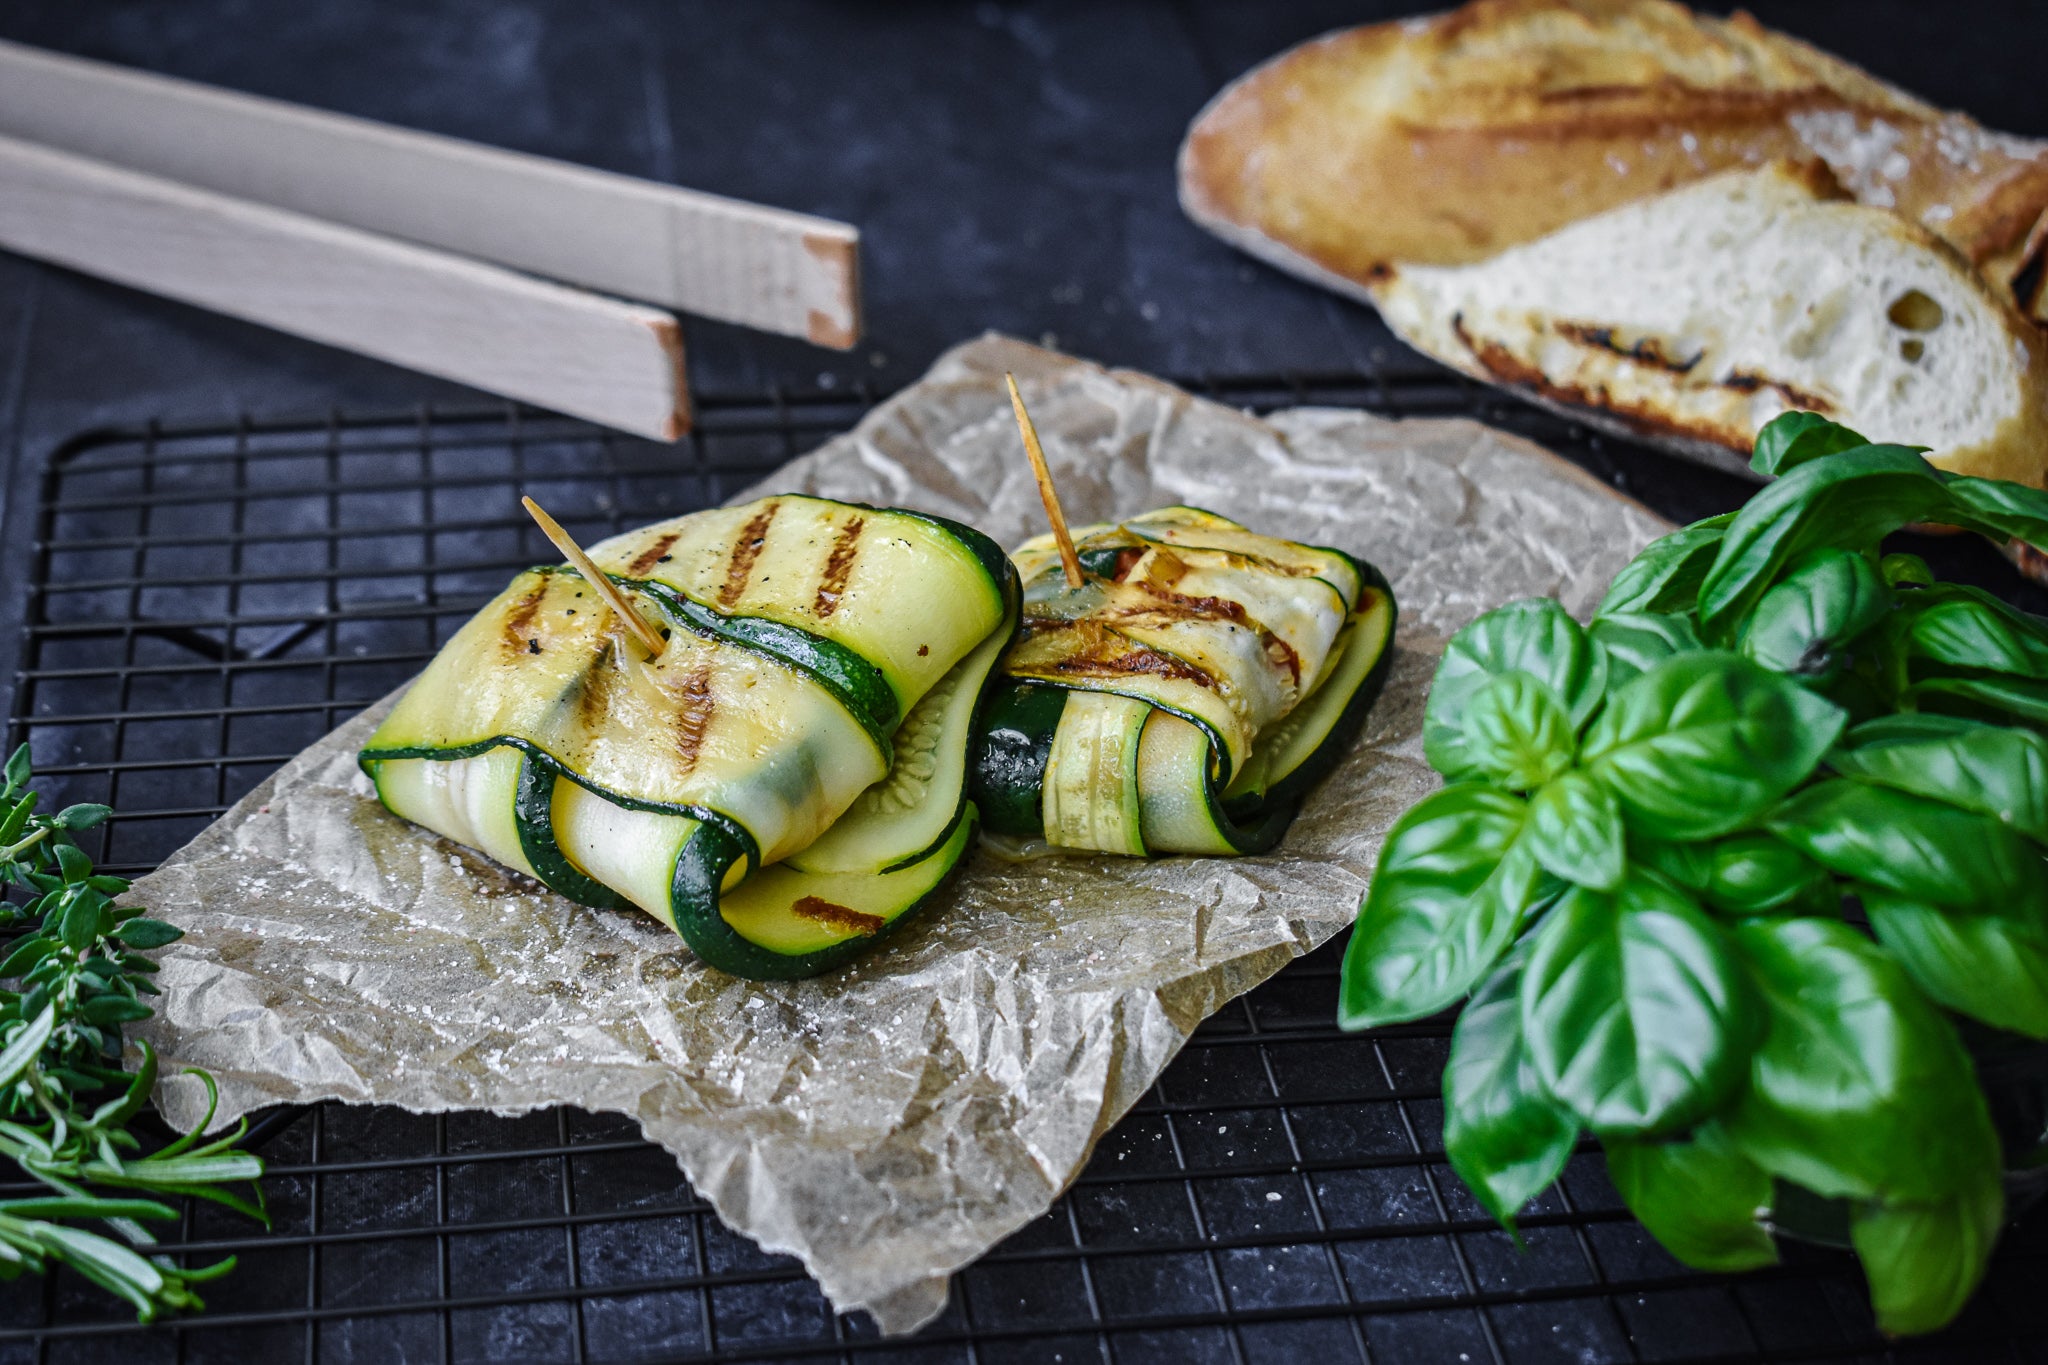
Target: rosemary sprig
(66, 1101)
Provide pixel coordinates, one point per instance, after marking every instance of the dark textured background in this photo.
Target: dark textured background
(1009, 165)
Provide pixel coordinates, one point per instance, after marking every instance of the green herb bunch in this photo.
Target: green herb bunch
(1730, 874)
(66, 1102)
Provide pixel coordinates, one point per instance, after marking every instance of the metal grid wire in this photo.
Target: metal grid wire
(207, 601)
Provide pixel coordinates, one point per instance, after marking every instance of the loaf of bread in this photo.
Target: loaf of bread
(1696, 316)
(1444, 140)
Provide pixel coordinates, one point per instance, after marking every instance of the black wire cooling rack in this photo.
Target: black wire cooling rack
(208, 600)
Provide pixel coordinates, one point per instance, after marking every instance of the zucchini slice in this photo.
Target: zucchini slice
(1210, 677)
(1091, 656)
(473, 800)
(912, 810)
(705, 725)
(1184, 811)
(1192, 527)
(751, 785)
(1012, 745)
(1177, 789)
(875, 865)
(1091, 774)
(780, 923)
(1299, 751)
(839, 572)
(500, 802)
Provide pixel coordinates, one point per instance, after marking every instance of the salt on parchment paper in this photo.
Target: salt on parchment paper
(890, 1123)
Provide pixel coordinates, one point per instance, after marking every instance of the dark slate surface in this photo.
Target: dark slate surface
(1010, 166)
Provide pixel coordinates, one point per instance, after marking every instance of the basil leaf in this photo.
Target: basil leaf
(1902, 727)
(1991, 966)
(1860, 1087)
(1534, 636)
(1828, 599)
(1744, 874)
(1995, 770)
(1926, 850)
(1706, 743)
(1636, 642)
(1924, 1261)
(1504, 1136)
(1699, 1197)
(1849, 501)
(1998, 698)
(1957, 626)
(1444, 903)
(1574, 831)
(1999, 508)
(1633, 1009)
(1792, 438)
(1906, 569)
(1665, 575)
(1517, 733)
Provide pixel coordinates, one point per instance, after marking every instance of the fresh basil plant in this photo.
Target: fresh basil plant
(1732, 873)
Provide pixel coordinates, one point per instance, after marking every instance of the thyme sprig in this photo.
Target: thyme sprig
(79, 975)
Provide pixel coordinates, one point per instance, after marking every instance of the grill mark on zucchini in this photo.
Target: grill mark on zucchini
(844, 918)
(592, 692)
(521, 616)
(858, 684)
(653, 554)
(1171, 605)
(1106, 653)
(745, 551)
(693, 719)
(839, 567)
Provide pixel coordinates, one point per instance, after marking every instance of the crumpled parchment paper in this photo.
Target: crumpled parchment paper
(890, 1124)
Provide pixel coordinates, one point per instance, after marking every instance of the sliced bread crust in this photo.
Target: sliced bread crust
(1443, 140)
(1695, 317)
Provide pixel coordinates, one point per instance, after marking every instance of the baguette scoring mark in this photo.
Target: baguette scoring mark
(1504, 367)
(838, 567)
(745, 550)
(844, 918)
(1647, 350)
(1793, 395)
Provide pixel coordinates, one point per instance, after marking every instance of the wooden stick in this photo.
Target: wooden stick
(1047, 494)
(619, 364)
(647, 635)
(632, 238)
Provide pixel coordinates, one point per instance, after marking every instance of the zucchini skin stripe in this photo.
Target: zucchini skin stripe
(986, 552)
(534, 813)
(701, 868)
(534, 752)
(707, 856)
(1012, 743)
(855, 683)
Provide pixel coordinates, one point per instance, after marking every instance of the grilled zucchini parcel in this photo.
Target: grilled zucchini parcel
(781, 784)
(843, 691)
(1186, 695)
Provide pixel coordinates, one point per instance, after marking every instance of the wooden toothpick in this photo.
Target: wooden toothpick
(649, 638)
(1047, 494)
